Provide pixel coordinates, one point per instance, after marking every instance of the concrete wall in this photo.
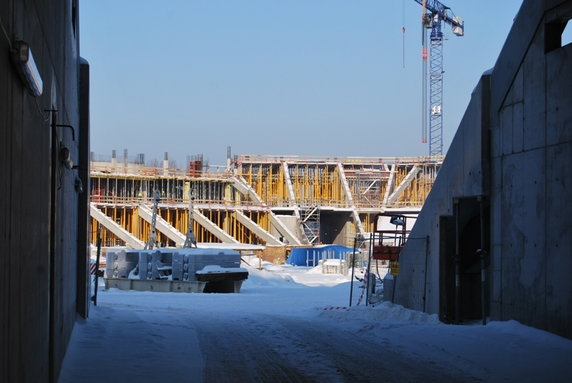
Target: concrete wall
(461, 175)
(291, 223)
(525, 172)
(532, 172)
(39, 221)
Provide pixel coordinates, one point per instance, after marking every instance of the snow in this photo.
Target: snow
(294, 324)
(216, 269)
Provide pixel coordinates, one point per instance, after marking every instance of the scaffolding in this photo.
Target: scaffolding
(260, 200)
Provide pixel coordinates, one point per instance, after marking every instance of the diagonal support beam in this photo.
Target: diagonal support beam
(290, 187)
(345, 185)
(257, 230)
(390, 184)
(129, 239)
(369, 187)
(162, 225)
(244, 188)
(350, 199)
(283, 230)
(403, 185)
(213, 228)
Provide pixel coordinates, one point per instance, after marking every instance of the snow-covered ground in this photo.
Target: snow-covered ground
(293, 324)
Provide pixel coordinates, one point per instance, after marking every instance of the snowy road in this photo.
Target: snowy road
(277, 330)
(195, 346)
(281, 349)
(233, 352)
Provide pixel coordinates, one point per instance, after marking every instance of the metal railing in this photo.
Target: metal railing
(258, 158)
(131, 169)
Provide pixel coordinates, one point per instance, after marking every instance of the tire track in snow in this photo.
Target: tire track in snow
(271, 348)
(345, 356)
(231, 352)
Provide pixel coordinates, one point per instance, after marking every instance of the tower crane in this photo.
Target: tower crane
(433, 15)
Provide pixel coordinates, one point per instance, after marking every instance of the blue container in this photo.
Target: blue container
(311, 256)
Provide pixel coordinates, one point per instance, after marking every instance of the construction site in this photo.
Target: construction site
(268, 204)
(485, 232)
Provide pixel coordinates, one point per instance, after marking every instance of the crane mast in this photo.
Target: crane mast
(433, 15)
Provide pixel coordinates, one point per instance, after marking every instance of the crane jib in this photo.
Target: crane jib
(437, 8)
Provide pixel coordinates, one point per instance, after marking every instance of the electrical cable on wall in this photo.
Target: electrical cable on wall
(6, 34)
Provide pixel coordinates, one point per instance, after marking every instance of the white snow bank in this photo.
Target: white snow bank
(291, 276)
(266, 278)
(386, 311)
(216, 269)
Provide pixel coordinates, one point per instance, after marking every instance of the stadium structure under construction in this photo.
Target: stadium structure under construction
(255, 200)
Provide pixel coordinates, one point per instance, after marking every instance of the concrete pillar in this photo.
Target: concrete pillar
(125, 158)
(166, 164)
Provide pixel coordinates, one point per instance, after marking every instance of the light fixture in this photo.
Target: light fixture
(26, 66)
(78, 185)
(66, 157)
(397, 220)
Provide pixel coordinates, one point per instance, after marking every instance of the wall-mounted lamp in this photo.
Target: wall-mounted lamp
(397, 220)
(78, 185)
(67, 160)
(26, 66)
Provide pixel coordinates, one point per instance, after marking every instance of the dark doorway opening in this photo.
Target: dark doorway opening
(332, 225)
(447, 269)
(464, 262)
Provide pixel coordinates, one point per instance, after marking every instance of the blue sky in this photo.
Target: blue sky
(290, 77)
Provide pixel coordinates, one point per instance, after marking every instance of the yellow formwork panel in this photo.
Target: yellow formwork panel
(314, 183)
(418, 190)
